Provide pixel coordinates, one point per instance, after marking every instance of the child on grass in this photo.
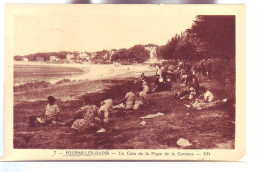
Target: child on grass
(51, 113)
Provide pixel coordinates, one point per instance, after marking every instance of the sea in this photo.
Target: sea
(34, 72)
(25, 73)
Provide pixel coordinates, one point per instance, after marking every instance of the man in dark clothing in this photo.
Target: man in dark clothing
(209, 68)
(203, 68)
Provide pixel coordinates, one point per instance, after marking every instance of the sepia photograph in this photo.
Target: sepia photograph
(115, 78)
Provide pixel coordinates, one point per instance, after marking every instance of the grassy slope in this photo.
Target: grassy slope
(204, 129)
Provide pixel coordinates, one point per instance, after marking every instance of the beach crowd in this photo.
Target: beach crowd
(95, 114)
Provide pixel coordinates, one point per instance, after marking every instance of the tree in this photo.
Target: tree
(170, 49)
(209, 37)
(217, 33)
(135, 54)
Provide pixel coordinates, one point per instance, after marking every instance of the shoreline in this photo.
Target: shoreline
(94, 71)
(97, 78)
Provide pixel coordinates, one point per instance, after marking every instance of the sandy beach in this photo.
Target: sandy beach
(86, 71)
(87, 81)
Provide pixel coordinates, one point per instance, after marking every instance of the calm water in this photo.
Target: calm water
(29, 73)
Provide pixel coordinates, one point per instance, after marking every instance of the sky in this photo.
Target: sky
(46, 30)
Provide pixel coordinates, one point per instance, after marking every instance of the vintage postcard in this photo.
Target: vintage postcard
(124, 82)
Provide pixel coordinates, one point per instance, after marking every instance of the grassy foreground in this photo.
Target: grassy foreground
(206, 129)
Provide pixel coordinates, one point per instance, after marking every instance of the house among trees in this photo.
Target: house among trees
(39, 59)
(54, 58)
(69, 56)
(116, 64)
(82, 55)
(113, 51)
(25, 59)
(88, 56)
(93, 54)
(85, 56)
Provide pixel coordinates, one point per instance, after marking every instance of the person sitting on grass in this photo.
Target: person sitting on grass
(207, 105)
(142, 96)
(139, 82)
(189, 93)
(142, 76)
(205, 101)
(51, 113)
(88, 120)
(193, 93)
(158, 82)
(159, 71)
(128, 101)
(163, 84)
(106, 106)
(206, 96)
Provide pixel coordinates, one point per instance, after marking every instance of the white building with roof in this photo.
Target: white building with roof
(54, 58)
(69, 56)
(25, 59)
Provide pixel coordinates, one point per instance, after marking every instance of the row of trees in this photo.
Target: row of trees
(209, 37)
(135, 54)
(45, 56)
(102, 56)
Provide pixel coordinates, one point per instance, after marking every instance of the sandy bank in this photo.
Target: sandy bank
(96, 71)
(96, 79)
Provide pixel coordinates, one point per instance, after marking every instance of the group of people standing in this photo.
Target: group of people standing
(206, 68)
